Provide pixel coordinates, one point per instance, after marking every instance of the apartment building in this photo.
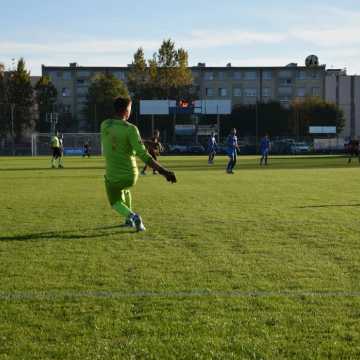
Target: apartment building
(344, 90)
(243, 85)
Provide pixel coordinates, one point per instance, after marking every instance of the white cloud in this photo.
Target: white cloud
(209, 39)
(77, 47)
(329, 37)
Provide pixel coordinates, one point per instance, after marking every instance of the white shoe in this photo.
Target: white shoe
(136, 219)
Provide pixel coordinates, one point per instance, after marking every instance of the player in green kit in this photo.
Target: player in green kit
(56, 147)
(121, 141)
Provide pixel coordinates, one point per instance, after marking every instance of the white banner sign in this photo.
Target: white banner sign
(322, 129)
(213, 107)
(156, 107)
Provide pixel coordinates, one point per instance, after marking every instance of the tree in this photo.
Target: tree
(165, 76)
(102, 91)
(20, 97)
(259, 119)
(315, 112)
(46, 95)
(138, 75)
(3, 102)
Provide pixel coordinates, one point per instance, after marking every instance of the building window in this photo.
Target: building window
(315, 75)
(81, 91)
(221, 75)
(66, 75)
(315, 91)
(209, 75)
(285, 74)
(120, 75)
(266, 92)
(285, 81)
(65, 92)
(223, 92)
(250, 92)
(84, 73)
(195, 74)
(237, 75)
(301, 75)
(267, 75)
(301, 92)
(209, 92)
(237, 92)
(285, 90)
(250, 75)
(53, 75)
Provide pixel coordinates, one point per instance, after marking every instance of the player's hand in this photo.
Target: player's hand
(170, 176)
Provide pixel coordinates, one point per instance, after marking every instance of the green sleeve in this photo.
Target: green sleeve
(138, 146)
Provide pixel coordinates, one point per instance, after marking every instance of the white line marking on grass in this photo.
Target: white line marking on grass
(69, 294)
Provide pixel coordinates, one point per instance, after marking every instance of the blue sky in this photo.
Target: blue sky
(245, 33)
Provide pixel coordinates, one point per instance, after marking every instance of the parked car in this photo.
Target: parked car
(196, 149)
(299, 148)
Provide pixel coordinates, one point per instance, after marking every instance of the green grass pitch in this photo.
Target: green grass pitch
(263, 264)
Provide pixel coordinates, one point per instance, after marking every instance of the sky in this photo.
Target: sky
(244, 33)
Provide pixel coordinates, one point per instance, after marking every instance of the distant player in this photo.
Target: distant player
(353, 149)
(61, 142)
(154, 148)
(212, 147)
(56, 148)
(264, 149)
(232, 149)
(121, 141)
(86, 149)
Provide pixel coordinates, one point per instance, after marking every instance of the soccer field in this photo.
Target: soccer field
(262, 264)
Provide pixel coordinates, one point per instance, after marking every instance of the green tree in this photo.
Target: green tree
(314, 111)
(165, 76)
(264, 118)
(138, 76)
(20, 97)
(173, 76)
(102, 91)
(46, 95)
(3, 102)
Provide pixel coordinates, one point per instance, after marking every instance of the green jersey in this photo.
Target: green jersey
(55, 142)
(121, 141)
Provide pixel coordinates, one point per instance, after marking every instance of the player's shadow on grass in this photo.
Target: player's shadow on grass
(326, 206)
(70, 234)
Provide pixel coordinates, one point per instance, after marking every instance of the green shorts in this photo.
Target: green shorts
(115, 190)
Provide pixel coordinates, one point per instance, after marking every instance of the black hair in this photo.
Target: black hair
(120, 104)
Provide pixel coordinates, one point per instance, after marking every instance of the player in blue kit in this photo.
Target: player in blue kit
(232, 149)
(264, 149)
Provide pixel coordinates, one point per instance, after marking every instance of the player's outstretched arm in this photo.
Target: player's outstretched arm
(169, 175)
